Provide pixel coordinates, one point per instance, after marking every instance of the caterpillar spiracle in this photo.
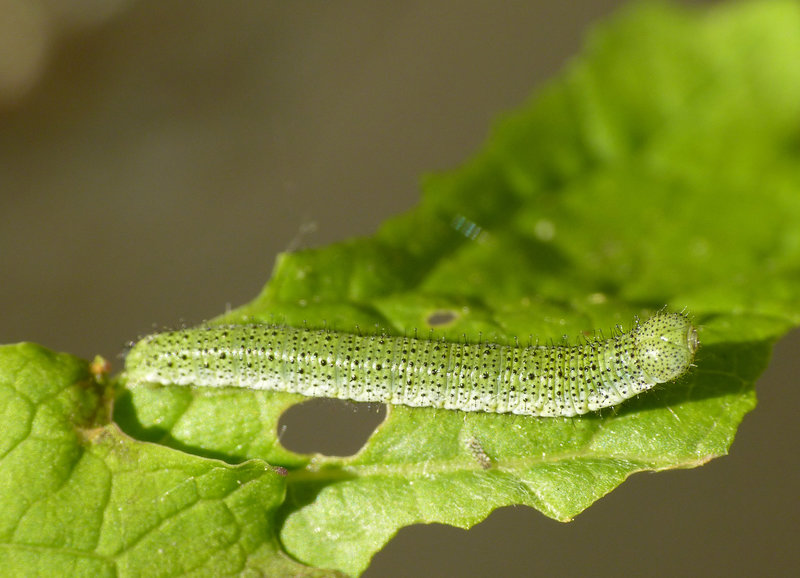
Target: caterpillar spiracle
(550, 381)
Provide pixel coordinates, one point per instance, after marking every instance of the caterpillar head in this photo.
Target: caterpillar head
(665, 346)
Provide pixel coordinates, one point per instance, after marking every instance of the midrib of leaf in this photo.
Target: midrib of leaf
(325, 469)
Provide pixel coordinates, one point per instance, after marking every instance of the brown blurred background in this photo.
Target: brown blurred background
(155, 156)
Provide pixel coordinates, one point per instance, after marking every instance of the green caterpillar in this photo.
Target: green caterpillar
(535, 380)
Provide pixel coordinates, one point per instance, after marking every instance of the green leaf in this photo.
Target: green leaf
(660, 169)
(78, 498)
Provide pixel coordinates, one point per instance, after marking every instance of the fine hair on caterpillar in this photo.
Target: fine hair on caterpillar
(535, 380)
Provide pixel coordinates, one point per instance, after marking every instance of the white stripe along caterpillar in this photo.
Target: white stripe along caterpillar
(550, 381)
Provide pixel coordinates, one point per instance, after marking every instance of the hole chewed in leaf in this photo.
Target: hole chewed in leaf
(441, 318)
(330, 427)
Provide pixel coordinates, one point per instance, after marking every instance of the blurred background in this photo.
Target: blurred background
(156, 156)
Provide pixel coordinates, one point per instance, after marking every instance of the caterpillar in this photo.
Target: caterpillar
(537, 380)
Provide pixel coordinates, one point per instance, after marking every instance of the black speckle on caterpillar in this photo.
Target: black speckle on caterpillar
(548, 381)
